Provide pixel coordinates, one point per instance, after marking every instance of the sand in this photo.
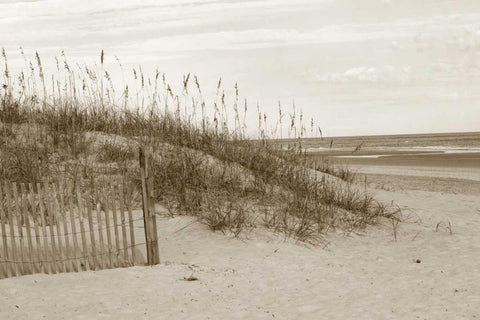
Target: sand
(365, 275)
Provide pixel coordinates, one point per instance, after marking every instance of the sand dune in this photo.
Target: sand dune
(266, 276)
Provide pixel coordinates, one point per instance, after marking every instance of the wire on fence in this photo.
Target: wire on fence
(2, 261)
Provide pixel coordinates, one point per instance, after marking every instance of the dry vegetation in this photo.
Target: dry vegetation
(80, 130)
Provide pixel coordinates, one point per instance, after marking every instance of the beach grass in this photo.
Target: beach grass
(205, 165)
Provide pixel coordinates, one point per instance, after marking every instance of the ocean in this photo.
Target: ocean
(426, 154)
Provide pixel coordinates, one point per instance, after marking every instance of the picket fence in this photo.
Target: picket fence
(59, 227)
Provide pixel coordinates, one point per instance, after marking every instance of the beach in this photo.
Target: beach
(361, 275)
(422, 268)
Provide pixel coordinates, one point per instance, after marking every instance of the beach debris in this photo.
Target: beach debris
(191, 278)
(357, 148)
(446, 226)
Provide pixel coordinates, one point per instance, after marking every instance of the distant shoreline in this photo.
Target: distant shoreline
(369, 136)
(452, 155)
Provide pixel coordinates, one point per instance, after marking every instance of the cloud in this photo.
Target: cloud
(383, 74)
(466, 70)
(440, 71)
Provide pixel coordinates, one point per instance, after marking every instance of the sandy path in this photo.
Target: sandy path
(360, 276)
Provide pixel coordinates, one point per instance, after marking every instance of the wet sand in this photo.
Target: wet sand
(441, 165)
(449, 155)
(420, 171)
(406, 159)
(390, 182)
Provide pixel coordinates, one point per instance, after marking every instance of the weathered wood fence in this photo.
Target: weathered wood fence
(56, 227)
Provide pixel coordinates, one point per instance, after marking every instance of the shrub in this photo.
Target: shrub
(111, 152)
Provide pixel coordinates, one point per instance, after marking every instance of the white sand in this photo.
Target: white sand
(358, 276)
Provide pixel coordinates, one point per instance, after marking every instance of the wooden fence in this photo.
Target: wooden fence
(60, 227)
(55, 227)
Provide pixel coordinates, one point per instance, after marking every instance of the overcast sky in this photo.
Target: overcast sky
(355, 66)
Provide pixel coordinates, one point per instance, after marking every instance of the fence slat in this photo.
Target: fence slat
(81, 214)
(146, 208)
(132, 231)
(3, 216)
(109, 234)
(115, 221)
(92, 235)
(121, 200)
(26, 218)
(75, 261)
(18, 218)
(50, 217)
(16, 266)
(152, 220)
(55, 217)
(39, 254)
(69, 263)
(101, 259)
(47, 263)
(49, 247)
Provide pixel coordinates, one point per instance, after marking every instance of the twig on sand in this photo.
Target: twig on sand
(415, 237)
(191, 278)
(447, 226)
(186, 226)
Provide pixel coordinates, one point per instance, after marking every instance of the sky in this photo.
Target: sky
(356, 67)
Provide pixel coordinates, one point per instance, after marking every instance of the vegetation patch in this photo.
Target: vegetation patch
(204, 165)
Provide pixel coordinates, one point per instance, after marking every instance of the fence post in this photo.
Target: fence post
(150, 223)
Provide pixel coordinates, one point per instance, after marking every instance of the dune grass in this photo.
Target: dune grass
(204, 165)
